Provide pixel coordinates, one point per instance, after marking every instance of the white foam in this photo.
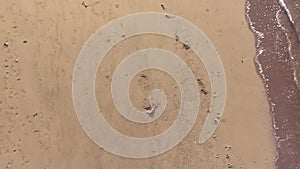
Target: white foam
(259, 36)
(260, 50)
(295, 78)
(284, 6)
(291, 55)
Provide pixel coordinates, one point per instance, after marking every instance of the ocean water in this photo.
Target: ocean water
(277, 63)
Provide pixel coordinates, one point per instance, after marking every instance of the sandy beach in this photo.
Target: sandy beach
(41, 41)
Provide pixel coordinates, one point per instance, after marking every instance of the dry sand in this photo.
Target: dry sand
(38, 124)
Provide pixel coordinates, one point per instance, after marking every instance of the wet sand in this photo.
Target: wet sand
(278, 63)
(38, 125)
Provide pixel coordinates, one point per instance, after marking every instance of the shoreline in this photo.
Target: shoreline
(277, 61)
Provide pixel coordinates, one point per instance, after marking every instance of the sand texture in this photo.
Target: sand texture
(38, 124)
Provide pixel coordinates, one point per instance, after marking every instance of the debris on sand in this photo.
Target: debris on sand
(84, 4)
(151, 114)
(150, 110)
(227, 148)
(5, 45)
(163, 6)
(229, 165)
(205, 92)
(185, 46)
(214, 137)
(169, 16)
(177, 38)
(200, 82)
(143, 75)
